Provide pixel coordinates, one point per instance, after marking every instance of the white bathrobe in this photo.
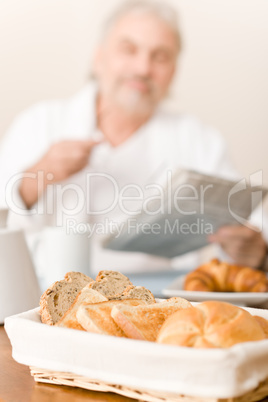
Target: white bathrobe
(167, 140)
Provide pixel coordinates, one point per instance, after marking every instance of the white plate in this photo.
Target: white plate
(238, 298)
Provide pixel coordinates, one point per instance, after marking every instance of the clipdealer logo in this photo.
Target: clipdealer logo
(152, 200)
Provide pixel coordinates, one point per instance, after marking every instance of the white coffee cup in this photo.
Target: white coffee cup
(57, 252)
(19, 288)
(3, 217)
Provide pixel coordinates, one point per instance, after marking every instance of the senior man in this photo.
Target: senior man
(115, 128)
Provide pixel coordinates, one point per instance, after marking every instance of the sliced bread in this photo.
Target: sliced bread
(110, 283)
(144, 322)
(86, 295)
(57, 299)
(136, 292)
(97, 317)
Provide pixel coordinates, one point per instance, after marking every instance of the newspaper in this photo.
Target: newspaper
(194, 205)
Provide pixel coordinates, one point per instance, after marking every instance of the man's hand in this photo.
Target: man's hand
(61, 161)
(66, 158)
(244, 245)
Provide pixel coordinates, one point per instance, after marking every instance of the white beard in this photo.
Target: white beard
(135, 103)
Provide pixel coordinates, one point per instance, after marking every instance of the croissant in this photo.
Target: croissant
(217, 276)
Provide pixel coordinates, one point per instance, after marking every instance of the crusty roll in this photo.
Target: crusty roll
(217, 276)
(263, 323)
(211, 324)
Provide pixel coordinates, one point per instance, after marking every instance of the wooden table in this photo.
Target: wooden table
(17, 385)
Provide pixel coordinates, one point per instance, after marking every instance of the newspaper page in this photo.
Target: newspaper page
(193, 206)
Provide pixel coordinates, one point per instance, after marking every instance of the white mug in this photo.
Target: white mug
(19, 288)
(57, 252)
(3, 217)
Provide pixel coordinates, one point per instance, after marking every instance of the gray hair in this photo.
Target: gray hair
(158, 8)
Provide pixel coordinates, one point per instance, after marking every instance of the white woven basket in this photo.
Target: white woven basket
(73, 380)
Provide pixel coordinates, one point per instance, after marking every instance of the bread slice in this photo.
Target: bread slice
(57, 299)
(86, 295)
(136, 292)
(144, 322)
(110, 283)
(97, 317)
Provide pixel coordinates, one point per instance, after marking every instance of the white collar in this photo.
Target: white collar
(80, 109)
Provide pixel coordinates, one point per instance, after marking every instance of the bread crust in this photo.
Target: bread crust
(65, 291)
(135, 292)
(139, 292)
(111, 283)
(263, 323)
(86, 295)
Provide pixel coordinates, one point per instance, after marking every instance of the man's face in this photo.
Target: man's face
(136, 62)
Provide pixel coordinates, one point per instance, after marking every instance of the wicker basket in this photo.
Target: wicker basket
(73, 380)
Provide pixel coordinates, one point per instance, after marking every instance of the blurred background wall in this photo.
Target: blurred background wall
(46, 48)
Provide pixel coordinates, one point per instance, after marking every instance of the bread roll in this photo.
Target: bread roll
(263, 323)
(210, 324)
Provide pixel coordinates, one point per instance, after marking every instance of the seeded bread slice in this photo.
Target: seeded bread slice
(97, 317)
(144, 322)
(86, 295)
(110, 283)
(57, 299)
(136, 292)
